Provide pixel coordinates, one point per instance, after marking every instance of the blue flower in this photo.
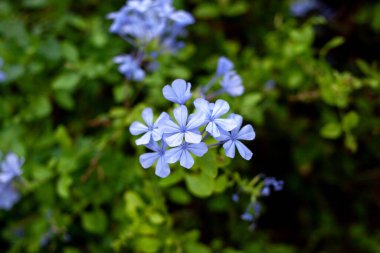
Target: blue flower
(270, 181)
(151, 130)
(187, 127)
(232, 139)
(232, 84)
(130, 67)
(224, 66)
(158, 156)
(252, 211)
(2, 75)
(178, 92)
(303, 7)
(212, 113)
(183, 151)
(8, 196)
(10, 168)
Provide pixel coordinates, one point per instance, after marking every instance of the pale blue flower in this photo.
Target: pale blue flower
(8, 196)
(178, 92)
(151, 130)
(130, 67)
(158, 157)
(303, 7)
(232, 84)
(224, 66)
(252, 211)
(187, 127)
(212, 113)
(269, 182)
(2, 75)
(233, 139)
(10, 167)
(183, 153)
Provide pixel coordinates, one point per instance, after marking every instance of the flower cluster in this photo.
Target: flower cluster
(10, 168)
(177, 138)
(253, 209)
(2, 75)
(146, 24)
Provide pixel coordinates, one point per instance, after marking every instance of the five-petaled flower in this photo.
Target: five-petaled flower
(178, 92)
(158, 156)
(233, 139)
(182, 153)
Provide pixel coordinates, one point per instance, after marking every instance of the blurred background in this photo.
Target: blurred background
(312, 92)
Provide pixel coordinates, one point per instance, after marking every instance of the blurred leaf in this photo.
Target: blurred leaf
(331, 130)
(63, 186)
(67, 82)
(200, 185)
(350, 120)
(95, 221)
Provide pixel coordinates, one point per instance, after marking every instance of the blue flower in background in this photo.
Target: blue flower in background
(232, 84)
(232, 140)
(269, 182)
(178, 92)
(10, 168)
(2, 75)
(158, 157)
(151, 130)
(224, 66)
(212, 113)
(183, 153)
(130, 67)
(8, 196)
(187, 127)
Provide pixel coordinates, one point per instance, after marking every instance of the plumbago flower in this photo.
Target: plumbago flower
(148, 24)
(2, 75)
(178, 138)
(9, 170)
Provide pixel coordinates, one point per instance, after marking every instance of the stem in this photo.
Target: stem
(206, 136)
(208, 86)
(214, 94)
(214, 145)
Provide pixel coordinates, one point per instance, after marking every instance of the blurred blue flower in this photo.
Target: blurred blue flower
(269, 182)
(8, 196)
(232, 84)
(224, 66)
(151, 130)
(212, 113)
(10, 167)
(303, 7)
(178, 92)
(187, 127)
(2, 75)
(232, 139)
(158, 156)
(183, 151)
(235, 197)
(130, 67)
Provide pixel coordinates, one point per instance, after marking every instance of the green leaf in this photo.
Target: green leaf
(70, 52)
(147, 244)
(221, 184)
(67, 81)
(200, 185)
(208, 164)
(179, 196)
(350, 120)
(206, 10)
(63, 186)
(331, 130)
(94, 222)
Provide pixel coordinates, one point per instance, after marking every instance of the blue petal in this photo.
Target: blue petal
(157, 134)
(243, 150)
(202, 105)
(10, 168)
(178, 92)
(213, 129)
(226, 124)
(180, 114)
(147, 115)
(161, 119)
(198, 149)
(232, 84)
(145, 139)
(182, 18)
(224, 136)
(224, 65)
(221, 107)
(169, 127)
(229, 148)
(173, 154)
(174, 140)
(239, 121)
(193, 137)
(246, 133)
(187, 160)
(147, 159)
(138, 128)
(195, 120)
(162, 167)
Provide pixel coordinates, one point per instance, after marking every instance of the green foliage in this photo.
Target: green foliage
(66, 110)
